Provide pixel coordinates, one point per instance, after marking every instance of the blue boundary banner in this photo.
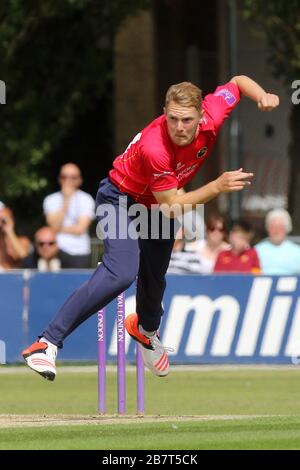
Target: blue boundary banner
(47, 294)
(12, 324)
(234, 319)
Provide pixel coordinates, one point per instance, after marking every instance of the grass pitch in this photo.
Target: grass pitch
(219, 408)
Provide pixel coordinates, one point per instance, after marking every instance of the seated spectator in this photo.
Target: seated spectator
(240, 257)
(183, 262)
(192, 222)
(208, 249)
(70, 212)
(12, 248)
(46, 254)
(277, 254)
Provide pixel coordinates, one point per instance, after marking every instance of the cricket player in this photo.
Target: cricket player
(159, 161)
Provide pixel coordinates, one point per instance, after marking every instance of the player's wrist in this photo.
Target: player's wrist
(261, 96)
(215, 187)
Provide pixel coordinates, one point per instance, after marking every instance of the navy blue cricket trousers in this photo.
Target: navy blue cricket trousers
(124, 259)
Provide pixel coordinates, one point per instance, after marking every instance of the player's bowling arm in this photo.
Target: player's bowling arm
(248, 87)
(173, 204)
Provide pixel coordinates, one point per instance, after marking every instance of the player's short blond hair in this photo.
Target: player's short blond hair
(185, 94)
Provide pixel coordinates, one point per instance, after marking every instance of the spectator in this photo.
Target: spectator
(12, 248)
(192, 222)
(46, 255)
(240, 257)
(183, 262)
(277, 254)
(208, 249)
(70, 212)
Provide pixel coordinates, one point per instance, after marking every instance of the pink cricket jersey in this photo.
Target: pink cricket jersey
(152, 162)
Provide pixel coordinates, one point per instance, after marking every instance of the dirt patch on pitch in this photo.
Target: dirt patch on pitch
(12, 421)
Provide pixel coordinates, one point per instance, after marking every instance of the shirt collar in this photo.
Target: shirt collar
(206, 124)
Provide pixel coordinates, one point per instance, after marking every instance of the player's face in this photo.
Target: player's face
(182, 123)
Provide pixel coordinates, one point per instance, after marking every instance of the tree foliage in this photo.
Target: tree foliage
(280, 21)
(56, 59)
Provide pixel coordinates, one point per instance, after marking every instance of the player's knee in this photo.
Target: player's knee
(122, 275)
(126, 279)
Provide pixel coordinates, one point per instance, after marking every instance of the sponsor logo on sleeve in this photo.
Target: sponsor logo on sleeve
(227, 95)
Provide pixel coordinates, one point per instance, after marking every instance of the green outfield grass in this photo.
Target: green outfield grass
(211, 393)
(259, 433)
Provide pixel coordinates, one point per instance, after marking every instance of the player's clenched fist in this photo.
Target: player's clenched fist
(268, 102)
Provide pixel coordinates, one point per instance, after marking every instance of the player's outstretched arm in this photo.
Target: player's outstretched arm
(174, 204)
(248, 87)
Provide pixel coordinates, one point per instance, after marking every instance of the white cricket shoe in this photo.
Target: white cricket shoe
(153, 352)
(156, 359)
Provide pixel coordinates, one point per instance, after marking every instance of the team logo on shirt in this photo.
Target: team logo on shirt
(202, 152)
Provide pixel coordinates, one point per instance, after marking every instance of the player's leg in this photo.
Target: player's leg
(154, 261)
(115, 274)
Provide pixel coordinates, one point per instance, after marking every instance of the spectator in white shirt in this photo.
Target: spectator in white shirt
(70, 212)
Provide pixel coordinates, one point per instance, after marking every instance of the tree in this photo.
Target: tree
(56, 60)
(280, 21)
